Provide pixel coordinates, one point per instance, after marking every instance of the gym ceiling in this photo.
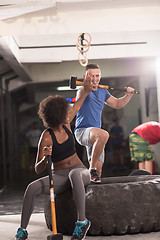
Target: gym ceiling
(46, 31)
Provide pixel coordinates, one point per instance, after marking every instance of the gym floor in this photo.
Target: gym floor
(38, 231)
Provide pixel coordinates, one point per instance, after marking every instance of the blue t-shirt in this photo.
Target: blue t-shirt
(89, 114)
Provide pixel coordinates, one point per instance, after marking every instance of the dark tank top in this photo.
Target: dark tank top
(61, 151)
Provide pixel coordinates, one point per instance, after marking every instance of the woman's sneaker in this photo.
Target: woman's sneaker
(81, 230)
(21, 234)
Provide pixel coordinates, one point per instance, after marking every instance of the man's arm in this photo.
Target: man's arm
(118, 103)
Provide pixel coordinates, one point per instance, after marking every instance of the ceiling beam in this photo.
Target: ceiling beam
(11, 60)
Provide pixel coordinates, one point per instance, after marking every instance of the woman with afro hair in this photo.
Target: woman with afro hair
(57, 140)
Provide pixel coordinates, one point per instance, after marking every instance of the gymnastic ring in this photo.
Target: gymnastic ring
(88, 41)
(81, 50)
(84, 64)
(84, 45)
(83, 61)
(80, 35)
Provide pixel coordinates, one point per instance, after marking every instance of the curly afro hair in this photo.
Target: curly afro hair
(53, 111)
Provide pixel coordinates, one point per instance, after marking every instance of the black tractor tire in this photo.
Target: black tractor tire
(119, 205)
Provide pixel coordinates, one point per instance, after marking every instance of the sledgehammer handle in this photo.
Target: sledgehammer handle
(118, 89)
(53, 211)
(108, 87)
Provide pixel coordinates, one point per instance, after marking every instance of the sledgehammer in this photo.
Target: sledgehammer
(73, 82)
(55, 235)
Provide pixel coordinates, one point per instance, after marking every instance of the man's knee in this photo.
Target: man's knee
(103, 137)
(99, 135)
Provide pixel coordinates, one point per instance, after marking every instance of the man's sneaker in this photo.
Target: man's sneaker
(94, 176)
(81, 230)
(21, 234)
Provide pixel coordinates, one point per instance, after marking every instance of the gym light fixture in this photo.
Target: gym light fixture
(66, 88)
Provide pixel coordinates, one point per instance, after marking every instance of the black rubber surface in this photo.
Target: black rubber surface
(120, 205)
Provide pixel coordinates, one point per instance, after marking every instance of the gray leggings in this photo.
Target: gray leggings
(76, 178)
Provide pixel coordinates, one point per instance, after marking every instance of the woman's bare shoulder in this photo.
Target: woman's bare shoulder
(45, 136)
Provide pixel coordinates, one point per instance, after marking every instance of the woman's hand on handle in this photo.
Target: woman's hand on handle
(47, 150)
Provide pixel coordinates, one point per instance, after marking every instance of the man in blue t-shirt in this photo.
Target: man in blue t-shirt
(88, 130)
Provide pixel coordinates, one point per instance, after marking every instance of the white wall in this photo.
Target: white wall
(110, 68)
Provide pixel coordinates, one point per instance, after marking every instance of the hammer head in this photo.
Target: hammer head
(57, 236)
(73, 82)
